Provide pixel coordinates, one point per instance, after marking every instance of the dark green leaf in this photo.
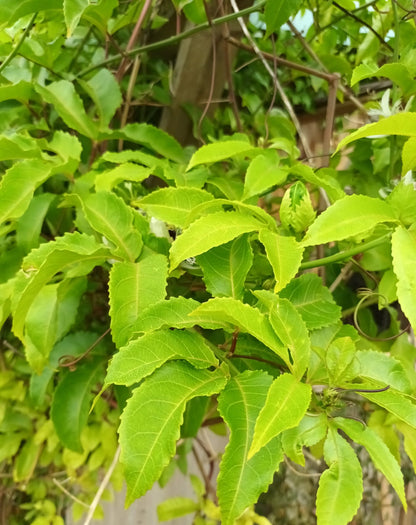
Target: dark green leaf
(72, 400)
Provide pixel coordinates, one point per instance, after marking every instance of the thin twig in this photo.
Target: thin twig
(175, 38)
(312, 53)
(282, 61)
(67, 493)
(102, 487)
(341, 276)
(330, 117)
(279, 87)
(133, 39)
(15, 50)
(364, 23)
(302, 474)
(129, 96)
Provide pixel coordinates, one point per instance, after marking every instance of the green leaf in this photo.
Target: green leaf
(409, 155)
(210, 231)
(340, 360)
(341, 486)
(292, 331)
(25, 463)
(219, 151)
(150, 424)
(74, 345)
(10, 12)
(41, 327)
(171, 313)
(104, 90)
(172, 205)
(262, 174)
(110, 216)
(6, 290)
(363, 71)
(398, 124)
(284, 254)
(277, 12)
(240, 482)
(29, 225)
(348, 217)
(69, 106)
(99, 13)
(73, 10)
(387, 288)
(403, 247)
(151, 137)
(396, 403)
(72, 400)
(311, 430)
(398, 73)
(230, 312)
(285, 406)
(18, 147)
(143, 356)
(403, 200)
(225, 268)
(194, 416)
(408, 441)
(73, 254)
(175, 508)
(325, 178)
(133, 287)
(18, 185)
(20, 91)
(68, 149)
(382, 367)
(128, 155)
(313, 301)
(125, 172)
(347, 4)
(380, 454)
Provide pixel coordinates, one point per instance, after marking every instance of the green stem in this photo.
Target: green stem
(15, 50)
(347, 254)
(176, 38)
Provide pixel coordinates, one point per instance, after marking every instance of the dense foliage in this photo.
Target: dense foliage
(149, 287)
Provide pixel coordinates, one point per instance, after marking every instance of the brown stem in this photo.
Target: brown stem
(129, 96)
(213, 71)
(330, 117)
(133, 39)
(312, 53)
(281, 61)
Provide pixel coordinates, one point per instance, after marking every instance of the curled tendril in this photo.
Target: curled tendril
(70, 361)
(366, 293)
